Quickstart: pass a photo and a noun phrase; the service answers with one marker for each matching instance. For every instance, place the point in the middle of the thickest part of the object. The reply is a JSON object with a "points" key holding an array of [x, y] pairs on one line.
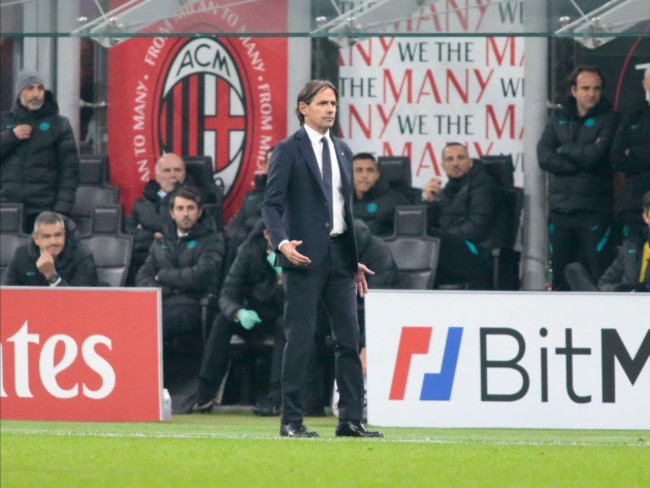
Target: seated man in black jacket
{"points": [[630, 271], [54, 257], [251, 302], [184, 262], [374, 201], [150, 213], [465, 215]]}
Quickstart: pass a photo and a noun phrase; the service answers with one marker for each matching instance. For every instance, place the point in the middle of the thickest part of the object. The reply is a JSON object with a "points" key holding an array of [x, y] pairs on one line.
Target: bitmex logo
{"points": [[435, 386], [438, 386]]}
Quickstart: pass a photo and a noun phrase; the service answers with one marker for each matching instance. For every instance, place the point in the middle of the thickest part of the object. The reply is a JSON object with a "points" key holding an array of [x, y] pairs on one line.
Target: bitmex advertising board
{"points": [[534, 360], [80, 354]]}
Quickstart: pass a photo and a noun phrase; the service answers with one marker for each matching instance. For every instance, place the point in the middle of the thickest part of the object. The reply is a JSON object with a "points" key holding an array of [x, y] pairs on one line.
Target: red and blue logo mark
{"points": [[435, 386]]}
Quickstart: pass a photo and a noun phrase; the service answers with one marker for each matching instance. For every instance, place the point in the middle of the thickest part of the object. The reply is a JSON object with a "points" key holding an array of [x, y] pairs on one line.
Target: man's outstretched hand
{"points": [[360, 279]]}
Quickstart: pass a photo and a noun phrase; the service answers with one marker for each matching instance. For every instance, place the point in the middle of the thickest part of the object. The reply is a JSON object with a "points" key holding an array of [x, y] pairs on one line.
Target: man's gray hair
{"points": [[49, 218]]}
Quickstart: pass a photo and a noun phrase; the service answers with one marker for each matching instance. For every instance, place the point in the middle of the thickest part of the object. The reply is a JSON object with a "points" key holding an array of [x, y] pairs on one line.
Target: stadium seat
{"points": [[415, 253], [11, 218], [201, 169], [396, 171], [93, 170], [87, 197], [110, 248]]}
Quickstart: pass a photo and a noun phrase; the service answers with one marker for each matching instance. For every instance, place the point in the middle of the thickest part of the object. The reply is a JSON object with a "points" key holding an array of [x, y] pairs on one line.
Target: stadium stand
{"points": [[11, 235]]}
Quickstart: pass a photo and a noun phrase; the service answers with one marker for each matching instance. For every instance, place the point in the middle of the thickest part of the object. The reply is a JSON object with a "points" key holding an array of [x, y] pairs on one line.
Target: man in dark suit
{"points": [[308, 213]]}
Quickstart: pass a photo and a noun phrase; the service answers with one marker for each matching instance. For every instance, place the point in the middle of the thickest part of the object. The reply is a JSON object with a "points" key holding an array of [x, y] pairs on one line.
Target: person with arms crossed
{"points": [[307, 211]]}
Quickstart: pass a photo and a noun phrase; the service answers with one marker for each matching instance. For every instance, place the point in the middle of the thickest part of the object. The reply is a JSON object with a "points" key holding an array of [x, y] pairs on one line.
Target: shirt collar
{"points": [[315, 136]]}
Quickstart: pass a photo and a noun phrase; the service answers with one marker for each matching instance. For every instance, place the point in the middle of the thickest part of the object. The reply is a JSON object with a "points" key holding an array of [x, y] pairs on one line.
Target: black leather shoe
{"points": [[354, 428], [296, 429]]}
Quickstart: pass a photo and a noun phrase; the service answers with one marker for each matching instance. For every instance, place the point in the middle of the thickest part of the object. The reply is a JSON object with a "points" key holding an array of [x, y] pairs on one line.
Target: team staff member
{"points": [[308, 212]]}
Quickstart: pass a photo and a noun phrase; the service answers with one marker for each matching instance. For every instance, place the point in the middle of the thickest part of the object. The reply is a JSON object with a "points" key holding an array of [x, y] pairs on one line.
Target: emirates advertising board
{"points": [[508, 360], [410, 95], [200, 95], [80, 355]]}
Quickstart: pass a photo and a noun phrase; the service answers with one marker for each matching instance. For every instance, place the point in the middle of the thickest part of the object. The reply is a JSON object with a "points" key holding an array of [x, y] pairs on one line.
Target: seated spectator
{"points": [[374, 201], [150, 213], [465, 216], [630, 271], [39, 164], [54, 256], [251, 303], [241, 225], [631, 156], [184, 262]]}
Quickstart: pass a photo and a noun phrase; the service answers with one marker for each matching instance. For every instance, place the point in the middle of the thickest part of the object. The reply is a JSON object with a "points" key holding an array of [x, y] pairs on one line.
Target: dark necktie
{"points": [[327, 177]]}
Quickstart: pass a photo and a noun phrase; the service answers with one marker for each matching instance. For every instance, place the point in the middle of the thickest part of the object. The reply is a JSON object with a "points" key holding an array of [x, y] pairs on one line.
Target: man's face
{"points": [[646, 85], [33, 96], [456, 161], [321, 112], [366, 174], [185, 213], [587, 91], [170, 170], [50, 238], [646, 218]]}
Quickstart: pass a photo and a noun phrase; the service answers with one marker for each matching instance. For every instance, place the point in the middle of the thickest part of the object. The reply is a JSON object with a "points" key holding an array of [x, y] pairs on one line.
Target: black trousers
{"points": [[583, 239], [333, 283], [215, 353], [461, 262], [180, 320]]}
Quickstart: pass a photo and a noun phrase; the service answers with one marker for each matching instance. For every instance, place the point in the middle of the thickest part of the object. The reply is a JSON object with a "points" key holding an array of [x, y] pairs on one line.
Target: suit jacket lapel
{"points": [[307, 151], [344, 167]]}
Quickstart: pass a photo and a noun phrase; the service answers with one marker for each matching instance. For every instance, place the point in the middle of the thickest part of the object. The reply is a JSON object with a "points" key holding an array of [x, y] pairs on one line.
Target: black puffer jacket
{"points": [[623, 273], [377, 208], [250, 212], [75, 265], [575, 150], [150, 214], [187, 267], [469, 207], [252, 282], [42, 171], [633, 134]]}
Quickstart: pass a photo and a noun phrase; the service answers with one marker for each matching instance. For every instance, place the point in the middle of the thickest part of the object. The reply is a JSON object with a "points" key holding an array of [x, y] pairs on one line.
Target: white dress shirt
{"points": [[338, 210]]}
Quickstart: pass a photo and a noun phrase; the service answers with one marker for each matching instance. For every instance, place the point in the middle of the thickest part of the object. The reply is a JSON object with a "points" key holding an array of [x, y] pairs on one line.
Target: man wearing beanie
{"points": [[39, 163]]}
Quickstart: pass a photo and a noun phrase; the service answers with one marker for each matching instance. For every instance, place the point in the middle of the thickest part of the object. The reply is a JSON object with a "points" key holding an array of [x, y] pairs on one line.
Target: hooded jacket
{"points": [[75, 265], [186, 267], [249, 213], [42, 171], [575, 151]]}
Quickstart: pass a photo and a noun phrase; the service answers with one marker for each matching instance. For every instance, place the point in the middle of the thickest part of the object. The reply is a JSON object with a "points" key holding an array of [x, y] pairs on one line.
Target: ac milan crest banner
{"points": [[199, 95]]}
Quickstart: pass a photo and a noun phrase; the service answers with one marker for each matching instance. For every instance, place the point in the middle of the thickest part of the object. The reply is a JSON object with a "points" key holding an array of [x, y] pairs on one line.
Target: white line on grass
{"points": [[213, 435]]}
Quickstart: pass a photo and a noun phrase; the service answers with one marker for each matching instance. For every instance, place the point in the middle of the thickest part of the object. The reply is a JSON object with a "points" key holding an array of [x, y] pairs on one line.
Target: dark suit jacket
{"points": [[295, 207]]}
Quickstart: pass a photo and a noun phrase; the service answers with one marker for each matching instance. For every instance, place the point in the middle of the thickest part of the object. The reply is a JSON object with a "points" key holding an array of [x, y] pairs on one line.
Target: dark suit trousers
{"points": [[333, 283]]}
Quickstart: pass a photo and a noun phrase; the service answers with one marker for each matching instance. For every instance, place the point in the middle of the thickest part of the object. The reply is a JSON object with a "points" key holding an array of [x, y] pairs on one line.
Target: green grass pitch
{"points": [[232, 450]]}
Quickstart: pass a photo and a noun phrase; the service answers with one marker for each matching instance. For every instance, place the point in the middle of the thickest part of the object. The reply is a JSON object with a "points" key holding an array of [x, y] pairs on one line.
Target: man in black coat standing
{"points": [[39, 163], [185, 262], [54, 256], [308, 213], [574, 149]]}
